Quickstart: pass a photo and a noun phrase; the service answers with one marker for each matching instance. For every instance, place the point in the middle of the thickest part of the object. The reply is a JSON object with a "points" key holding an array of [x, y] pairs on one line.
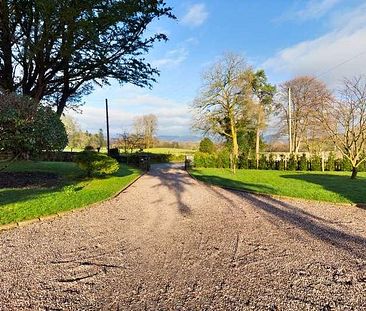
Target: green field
{"points": [[327, 186], [170, 151], [103, 150], [71, 192], [151, 150]]}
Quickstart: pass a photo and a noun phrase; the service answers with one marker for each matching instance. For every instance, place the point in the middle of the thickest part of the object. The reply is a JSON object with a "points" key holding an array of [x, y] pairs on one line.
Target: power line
{"points": [[340, 64]]}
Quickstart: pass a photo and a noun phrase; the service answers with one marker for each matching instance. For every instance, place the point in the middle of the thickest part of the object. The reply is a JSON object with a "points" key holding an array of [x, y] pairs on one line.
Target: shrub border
{"points": [[51, 217]]}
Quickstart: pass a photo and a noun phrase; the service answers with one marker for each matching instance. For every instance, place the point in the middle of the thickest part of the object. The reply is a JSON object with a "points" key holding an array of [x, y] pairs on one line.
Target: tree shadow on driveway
{"points": [[173, 177], [319, 228], [325, 230]]}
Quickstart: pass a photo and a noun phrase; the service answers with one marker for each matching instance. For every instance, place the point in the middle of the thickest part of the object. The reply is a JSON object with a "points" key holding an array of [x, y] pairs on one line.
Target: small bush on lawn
{"points": [[362, 166], [292, 163], [303, 163], [271, 162], [243, 162], [262, 165], [94, 163], [207, 146], [346, 164], [281, 163], [331, 162], [338, 165], [89, 148], [316, 163], [223, 158]]}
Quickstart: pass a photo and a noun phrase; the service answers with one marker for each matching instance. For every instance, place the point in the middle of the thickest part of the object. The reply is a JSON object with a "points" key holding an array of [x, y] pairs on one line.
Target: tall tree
{"points": [[56, 50], [146, 126], [222, 106], [263, 92], [307, 96], [345, 120], [101, 139], [73, 132]]}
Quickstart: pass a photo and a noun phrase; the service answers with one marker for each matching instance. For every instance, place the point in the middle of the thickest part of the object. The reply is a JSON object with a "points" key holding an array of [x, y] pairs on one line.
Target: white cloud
{"points": [[172, 58], [196, 15], [173, 117], [333, 56], [312, 10], [316, 9]]}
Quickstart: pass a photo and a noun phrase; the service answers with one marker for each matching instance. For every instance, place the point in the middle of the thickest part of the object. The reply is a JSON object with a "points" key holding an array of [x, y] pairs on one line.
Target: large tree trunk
{"points": [[260, 119], [257, 140], [6, 75], [235, 149], [354, 172], [61, 106]]}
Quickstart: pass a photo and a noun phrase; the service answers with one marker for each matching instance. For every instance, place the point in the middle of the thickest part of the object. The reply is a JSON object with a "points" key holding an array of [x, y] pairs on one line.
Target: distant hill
{"points": [[184, 138]]}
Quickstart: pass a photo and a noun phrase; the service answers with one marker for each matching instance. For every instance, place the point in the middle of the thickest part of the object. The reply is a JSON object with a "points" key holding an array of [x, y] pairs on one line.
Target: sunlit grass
{"points": [[327, 186], [73, 191], [170, 150]]}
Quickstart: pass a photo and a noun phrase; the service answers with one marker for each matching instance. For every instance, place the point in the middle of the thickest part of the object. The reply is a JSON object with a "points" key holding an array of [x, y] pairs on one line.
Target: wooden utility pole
{"points": [[107, 117], [289, 121]]}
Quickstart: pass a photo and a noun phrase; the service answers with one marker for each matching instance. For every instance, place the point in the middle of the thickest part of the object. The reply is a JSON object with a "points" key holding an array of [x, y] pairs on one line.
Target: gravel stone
{"points": [[169, 242]]}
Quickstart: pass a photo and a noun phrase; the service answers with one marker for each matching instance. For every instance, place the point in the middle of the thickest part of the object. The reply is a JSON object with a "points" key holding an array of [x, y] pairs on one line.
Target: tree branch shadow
{"points": [[173, 177], [276, 210], [317, 227]]}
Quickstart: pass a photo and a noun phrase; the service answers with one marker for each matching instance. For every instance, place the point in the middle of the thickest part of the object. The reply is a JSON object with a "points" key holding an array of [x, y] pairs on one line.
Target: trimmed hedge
{"points": [[94, 163], [132, 158], [217, 159], [299, 163]]}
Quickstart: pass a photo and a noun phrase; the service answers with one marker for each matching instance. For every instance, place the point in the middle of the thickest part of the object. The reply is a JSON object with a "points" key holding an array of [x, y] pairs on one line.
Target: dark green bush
{"points": [[346, 164], [330, 166], [362, 166], [94, 163], [338, 165], [243, 162], [113, 152], [202, 159], [316, 163], [27, 127], [89, 148], [219, 159], [223, 159], [282, 163], [252, 164], [292, 163], [271, 162], [207, 146], [263, 163], [303, 163]]}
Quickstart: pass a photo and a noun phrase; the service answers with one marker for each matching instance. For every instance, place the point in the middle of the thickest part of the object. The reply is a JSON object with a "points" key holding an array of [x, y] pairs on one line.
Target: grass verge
{"points": [[322, 186], [71, 192]]}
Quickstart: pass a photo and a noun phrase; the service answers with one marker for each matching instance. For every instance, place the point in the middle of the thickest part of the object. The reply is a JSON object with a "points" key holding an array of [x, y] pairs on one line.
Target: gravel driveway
{"points": [[171, 243]]}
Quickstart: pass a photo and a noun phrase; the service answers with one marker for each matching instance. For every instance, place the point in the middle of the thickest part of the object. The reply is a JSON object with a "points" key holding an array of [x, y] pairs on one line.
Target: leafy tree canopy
{"points": [[56, 50]]}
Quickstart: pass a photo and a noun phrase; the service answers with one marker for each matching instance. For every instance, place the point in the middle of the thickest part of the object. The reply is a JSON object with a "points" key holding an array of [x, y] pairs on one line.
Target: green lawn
{"points": [[170, 150], [68, 149], [327, 186], [72, 192]]}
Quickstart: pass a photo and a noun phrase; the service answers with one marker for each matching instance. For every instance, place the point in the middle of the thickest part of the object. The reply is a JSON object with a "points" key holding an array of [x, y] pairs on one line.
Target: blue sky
{"points": [[286, 38]]}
